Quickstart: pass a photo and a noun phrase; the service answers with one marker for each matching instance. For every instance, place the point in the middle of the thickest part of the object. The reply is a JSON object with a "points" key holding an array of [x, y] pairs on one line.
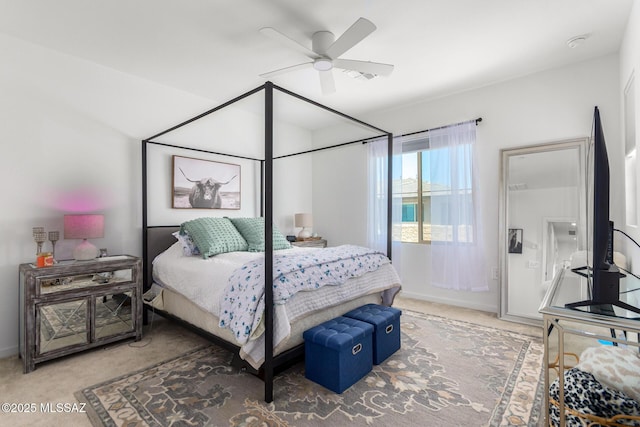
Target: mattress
{"points": [[192, 288], [181, 307]]}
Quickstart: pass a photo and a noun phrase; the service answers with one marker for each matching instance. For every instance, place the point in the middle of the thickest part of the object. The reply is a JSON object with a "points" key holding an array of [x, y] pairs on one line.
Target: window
{"points": [[437, 193], [434, 180]]}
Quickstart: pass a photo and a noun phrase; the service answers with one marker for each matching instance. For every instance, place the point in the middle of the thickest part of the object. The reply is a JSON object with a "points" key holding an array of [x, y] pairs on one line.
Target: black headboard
{"points": [[159, 239]]}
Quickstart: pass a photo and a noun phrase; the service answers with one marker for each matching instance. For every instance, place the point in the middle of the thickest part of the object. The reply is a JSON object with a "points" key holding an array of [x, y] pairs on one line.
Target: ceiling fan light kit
{"points": [[322, 64], [325, 52]]}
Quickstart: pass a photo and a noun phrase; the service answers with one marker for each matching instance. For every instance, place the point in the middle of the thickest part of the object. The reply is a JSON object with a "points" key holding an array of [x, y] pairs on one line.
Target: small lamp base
{"points": [[304, 234], [85, 251]]}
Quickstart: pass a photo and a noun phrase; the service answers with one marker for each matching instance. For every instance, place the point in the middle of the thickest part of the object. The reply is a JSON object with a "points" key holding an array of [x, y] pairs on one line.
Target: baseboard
{"points": [[449, 301], [9, 352]]}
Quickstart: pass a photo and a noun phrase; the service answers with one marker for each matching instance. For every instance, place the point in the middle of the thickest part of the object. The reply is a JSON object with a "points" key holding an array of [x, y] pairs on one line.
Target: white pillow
{"points": [[614, 367], [188, 247]]}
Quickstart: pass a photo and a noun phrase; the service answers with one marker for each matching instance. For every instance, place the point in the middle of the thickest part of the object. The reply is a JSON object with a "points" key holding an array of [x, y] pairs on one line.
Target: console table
{"points": [[590, 323], [76, 305]]}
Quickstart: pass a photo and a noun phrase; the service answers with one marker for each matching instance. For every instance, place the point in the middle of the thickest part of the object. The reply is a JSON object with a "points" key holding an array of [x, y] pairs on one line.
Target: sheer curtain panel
{"points": [[457, 244], [377, 200]]}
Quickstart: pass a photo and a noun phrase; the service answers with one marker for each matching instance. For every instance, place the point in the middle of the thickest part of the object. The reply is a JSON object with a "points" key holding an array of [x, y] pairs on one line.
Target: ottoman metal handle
{"points": [[389, 329], [356, 349]]}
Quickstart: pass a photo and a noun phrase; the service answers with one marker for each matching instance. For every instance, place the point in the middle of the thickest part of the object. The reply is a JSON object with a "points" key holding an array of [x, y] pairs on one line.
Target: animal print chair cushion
{"points": [[214, 236], [252, 229], [615, 367], [583, 393]]}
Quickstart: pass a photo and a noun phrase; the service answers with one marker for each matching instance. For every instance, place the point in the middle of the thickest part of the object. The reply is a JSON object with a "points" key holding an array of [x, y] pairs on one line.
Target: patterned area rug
{"points": [[447, 373]]}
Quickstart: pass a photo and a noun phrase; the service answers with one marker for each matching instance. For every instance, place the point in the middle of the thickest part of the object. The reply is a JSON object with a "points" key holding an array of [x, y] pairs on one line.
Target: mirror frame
{"points": [[505, 154]]}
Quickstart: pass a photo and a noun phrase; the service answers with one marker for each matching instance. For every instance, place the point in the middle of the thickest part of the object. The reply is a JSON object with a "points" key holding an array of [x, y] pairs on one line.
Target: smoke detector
{"points": [[577, 41]]}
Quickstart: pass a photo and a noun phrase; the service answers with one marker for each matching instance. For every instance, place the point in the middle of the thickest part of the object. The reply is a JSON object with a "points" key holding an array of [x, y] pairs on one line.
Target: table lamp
{"points": [[84, 227], [304, 220]]}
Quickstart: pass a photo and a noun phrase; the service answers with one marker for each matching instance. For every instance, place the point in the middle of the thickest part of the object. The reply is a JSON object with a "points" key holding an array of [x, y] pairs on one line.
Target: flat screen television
{"points": [[603, 273]]}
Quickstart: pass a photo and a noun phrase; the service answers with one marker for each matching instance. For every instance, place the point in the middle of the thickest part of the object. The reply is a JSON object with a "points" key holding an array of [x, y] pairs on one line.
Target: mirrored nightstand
{"points": [[76, 305]]}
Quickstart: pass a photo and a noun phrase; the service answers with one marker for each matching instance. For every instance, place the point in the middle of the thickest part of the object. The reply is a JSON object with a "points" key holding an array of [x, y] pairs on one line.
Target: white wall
{"points": [[340, 195], [70, 140], [630, 68], [548, 106]]}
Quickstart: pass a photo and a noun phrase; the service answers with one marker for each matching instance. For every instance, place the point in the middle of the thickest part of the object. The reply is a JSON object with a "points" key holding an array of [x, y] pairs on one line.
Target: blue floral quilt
{"points": [[242, 303]]}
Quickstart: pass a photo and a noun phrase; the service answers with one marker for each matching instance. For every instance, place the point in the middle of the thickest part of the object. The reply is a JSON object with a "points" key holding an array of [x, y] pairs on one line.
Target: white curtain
{"points": [[457, 244], [377, 198]]}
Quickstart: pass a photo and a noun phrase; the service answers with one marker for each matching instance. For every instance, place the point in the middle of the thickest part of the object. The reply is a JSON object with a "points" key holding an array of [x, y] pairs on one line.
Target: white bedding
{"points": [[200, 280], [203, 281]]}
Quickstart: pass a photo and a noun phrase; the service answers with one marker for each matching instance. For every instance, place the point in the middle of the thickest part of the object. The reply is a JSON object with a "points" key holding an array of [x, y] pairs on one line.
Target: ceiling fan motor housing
{"points": [[321, 41]]}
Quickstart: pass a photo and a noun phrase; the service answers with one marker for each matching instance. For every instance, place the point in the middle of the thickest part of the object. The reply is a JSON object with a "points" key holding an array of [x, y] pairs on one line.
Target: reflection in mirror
{"points": [[62, 324], [542, 198], [631, 168], [113, 315], [560, 242]]}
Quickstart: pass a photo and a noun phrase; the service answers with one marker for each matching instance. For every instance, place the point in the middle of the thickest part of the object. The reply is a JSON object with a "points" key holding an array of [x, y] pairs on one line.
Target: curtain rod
{"points": [[478, 120]]}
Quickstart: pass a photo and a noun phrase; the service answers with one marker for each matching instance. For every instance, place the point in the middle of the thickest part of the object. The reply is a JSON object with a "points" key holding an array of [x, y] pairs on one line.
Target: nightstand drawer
{"points": [[72, 282]]}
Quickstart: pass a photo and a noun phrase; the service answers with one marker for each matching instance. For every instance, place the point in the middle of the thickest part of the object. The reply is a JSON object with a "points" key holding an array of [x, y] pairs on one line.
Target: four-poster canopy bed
{"points": [[159, 239]]}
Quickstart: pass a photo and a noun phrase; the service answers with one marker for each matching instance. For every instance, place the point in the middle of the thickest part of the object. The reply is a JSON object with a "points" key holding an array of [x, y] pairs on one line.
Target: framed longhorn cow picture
{"points": [[205, 184]]}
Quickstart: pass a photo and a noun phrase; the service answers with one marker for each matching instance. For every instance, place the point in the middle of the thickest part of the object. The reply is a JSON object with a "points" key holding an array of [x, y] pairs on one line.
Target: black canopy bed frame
{"points": [[157, 238]]}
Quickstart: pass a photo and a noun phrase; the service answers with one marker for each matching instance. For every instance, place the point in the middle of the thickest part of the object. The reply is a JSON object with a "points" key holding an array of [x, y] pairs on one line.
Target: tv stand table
{"points": [[569, 330]]}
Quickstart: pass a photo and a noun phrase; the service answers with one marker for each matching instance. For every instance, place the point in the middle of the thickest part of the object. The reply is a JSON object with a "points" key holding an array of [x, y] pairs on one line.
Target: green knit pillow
{"points": [[252, 229], [214, 236]]}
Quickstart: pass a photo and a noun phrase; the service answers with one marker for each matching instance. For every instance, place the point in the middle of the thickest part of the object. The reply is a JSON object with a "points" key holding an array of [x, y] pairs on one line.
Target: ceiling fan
{"points": [[325, 52]]}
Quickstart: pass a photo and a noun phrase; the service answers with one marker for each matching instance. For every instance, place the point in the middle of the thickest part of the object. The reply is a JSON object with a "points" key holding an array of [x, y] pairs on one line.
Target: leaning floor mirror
{"points": [[542, 211]]}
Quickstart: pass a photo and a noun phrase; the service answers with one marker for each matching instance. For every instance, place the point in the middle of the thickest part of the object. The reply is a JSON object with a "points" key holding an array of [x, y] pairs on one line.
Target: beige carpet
{"points": [[449, 372], [56, 381]]}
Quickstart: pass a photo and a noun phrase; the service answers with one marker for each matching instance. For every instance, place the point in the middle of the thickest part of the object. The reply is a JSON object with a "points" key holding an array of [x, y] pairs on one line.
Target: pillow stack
{"points": [[252, 229], [212, 236]]}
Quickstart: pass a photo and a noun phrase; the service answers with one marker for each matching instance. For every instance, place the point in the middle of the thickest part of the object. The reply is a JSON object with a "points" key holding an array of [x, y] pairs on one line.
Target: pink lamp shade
{"points": [[84, 227]]}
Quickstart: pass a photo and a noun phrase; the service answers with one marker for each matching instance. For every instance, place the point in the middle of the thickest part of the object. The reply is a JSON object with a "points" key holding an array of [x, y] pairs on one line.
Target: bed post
{"points": [[389, 194], [268, 243], [145, 276], [262, 188]]}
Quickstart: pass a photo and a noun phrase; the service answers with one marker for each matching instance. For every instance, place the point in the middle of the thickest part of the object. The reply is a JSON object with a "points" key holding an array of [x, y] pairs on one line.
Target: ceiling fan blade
{"points": [[327, 83], [354, 35], [288, 41], [287, 69], [364, 66]]}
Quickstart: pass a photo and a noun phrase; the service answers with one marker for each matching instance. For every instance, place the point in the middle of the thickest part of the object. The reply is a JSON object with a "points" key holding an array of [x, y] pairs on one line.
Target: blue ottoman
{"points": [[386, 321], [338, 352]]}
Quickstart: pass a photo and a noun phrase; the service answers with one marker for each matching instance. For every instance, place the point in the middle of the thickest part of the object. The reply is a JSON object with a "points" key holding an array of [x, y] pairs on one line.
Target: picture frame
{"points": [[514, 241], [205, 184]]}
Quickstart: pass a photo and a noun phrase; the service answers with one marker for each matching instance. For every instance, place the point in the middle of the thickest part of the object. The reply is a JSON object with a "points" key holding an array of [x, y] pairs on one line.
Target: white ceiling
{"points": [[212, 48]]}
